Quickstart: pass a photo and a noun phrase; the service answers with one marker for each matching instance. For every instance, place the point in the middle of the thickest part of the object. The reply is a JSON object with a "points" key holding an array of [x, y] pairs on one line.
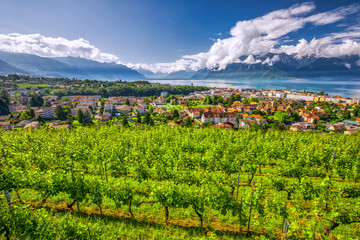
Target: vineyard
{"points": [[164, 183]]}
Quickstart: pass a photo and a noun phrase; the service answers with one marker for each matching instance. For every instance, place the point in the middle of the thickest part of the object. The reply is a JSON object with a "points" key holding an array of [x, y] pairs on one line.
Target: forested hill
{"points": [[65, 87]]}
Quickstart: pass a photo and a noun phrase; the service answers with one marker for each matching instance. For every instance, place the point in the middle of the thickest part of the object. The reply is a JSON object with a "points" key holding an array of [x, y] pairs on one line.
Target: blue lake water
{"points": [[344, 86]]}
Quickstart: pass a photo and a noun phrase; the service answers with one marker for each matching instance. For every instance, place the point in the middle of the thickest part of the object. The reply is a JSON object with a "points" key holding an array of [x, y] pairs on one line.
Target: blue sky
{"points": [[153, 31]]}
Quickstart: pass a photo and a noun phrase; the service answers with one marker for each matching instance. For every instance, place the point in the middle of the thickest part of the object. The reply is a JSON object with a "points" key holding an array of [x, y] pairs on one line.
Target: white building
{"points": [[45, 112]]}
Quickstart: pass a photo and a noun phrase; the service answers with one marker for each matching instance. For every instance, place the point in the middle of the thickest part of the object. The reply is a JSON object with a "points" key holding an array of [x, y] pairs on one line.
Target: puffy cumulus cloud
{"points": [[323, 47], [268, 34], [53, 47], [271, 61], [251, 60]]}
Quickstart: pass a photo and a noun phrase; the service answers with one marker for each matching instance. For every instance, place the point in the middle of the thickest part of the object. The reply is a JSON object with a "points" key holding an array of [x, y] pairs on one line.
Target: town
{"points": [[35, 102]]}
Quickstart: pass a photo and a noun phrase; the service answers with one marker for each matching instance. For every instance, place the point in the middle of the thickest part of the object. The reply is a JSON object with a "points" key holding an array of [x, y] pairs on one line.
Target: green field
{"points": [[28, 85], [203, 105], [170, 106], [111, 182]]}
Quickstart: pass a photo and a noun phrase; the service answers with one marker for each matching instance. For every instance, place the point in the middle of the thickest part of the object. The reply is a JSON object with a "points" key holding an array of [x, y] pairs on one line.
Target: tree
{"points": [[289, 111], [40, 119], [151, 108], [32, 102], [24, 116], [69, 119], [138, 117], [245, 100], [39, 101], [170, 97], [237, 97], [253, 99], [36, 101], [208, 100], [124, 122], [127, 102], [60, 113], [295, 117], [315, 121], [147, 119], [102, 106], [188, 122], [67, 109], [347, 115], [46, 103], [176, 113], [31, 113], [4, 103], [281, 117], [87, 118], [80, 116], [217, 99]]}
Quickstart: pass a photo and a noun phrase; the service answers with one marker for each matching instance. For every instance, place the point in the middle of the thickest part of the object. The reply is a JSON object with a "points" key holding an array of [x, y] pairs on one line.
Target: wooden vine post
{"points": [[238, 181], [251, 204], [286, 229]]}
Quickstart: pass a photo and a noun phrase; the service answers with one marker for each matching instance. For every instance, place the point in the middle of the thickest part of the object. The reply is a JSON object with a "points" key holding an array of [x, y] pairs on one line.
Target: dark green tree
{"points": [[347, 114], [188, 122], [87, 118], [36, 101], [124, 122], [295, 117], [208, 100], [148, 119], [32, 102], [176, 113], [102, 106], [46, 103], [60, 113], [4, 103], [138, 117], [127, 101], [217, 99], [80, 116], [24, 116], [31, 113], [40, 119], [69, 119], [39, 101]]}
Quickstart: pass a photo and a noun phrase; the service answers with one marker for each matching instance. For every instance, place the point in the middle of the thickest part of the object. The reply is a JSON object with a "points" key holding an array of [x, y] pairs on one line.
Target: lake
{"points": [[344, 86]]}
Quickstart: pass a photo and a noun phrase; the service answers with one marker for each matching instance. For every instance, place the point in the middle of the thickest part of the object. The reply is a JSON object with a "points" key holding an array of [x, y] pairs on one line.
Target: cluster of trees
{"points": [[62, 113], [4, 103], [170, 97], [104, 88], [148, 120], [216, 99], [84, 118], [129, 90], [36, 101]]}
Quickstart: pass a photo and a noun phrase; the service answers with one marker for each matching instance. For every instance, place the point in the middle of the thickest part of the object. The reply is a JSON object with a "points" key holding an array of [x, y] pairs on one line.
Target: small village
{"points": [[215, 107]]}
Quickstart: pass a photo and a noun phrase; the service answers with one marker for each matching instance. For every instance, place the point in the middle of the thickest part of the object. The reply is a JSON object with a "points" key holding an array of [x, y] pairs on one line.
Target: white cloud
{"points": [[53, 47], [251, 60], [271, 61], [258, 36], [264, 35]]}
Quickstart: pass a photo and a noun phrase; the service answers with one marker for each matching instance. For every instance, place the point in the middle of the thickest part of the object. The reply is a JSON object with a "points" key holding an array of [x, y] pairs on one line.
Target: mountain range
{"points": [[269, 66], [272, 66], [70, 67]]}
